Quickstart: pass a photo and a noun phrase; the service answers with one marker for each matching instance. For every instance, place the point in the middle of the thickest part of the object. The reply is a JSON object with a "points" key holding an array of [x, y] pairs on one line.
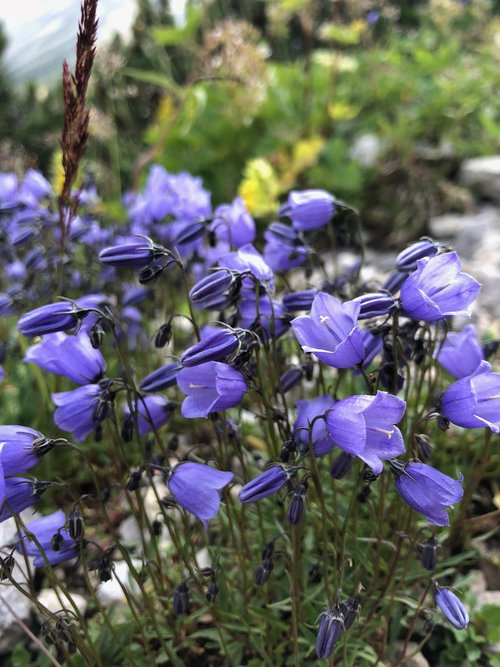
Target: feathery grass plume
{"points": [[76, 116]]}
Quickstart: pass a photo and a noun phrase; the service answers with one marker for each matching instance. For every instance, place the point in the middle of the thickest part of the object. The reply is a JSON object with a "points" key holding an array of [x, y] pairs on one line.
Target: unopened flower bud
{"points": [[76, 525], [163, 335], [428, 553], [331, 624], [297, 505], [181, 600], [263, 572]]}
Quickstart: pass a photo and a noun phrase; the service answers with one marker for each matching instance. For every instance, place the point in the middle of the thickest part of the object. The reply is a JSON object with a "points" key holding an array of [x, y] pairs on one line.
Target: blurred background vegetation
{"points": [[377, 102]]}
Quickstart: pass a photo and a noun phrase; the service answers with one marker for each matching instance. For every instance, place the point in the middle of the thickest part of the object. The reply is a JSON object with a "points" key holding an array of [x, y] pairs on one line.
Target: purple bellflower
{"points": [[284, 247], [217, 290], [60, 316], [20, 493], [70, 356], [249, 261], [331, 624], [197, 488], [210, 387], [267, 317], [161, 378], [77, 410], [153, 413], [364, 426], [461, 353], [233, 223], [265, 484], [296, 301], [438, 289], [216, 345], [135, 254], [407, 259], [474, 401], [427, 490], [56, 543], [306, 412], [330, 332], [21, 448], [309, 209], [452, 607], [375, 304]]}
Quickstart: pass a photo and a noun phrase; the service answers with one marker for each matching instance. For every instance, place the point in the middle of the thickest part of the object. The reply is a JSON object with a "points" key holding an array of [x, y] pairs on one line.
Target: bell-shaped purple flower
{"points": [[76, 409], [216, 345], [452, 607], [474, 401], [427, 490], [309, 209], [375, 304], [330, 332], [21, 448], [407, 259], [296, 301], [266, 316], [153, 413], [60, 316], [284, 247], [233, 223], [210, 387], [197, 488], [217, 290], [307, 411], [265, 484], [438, 289], [374, 344], [20, 493], [161, 378], [394, 281], [247, 260], [364, 426], [135, 254], [57, 546], [461, 353], [70, 356]]}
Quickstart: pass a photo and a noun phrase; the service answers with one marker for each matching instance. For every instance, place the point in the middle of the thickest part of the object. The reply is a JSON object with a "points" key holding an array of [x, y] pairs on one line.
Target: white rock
{"points": [[54, 602], [203, 559], [366, 149], [482, 174], [111, 591]]}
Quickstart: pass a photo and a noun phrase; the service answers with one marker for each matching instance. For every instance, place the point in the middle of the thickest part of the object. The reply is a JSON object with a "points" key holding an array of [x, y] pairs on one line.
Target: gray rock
{"points": [[487, 598], [482, 175], [466, 232], [417, 660], [477, 583]]}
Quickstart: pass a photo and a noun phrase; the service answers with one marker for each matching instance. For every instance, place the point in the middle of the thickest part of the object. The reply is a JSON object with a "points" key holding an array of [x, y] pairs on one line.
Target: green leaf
{"points": [[171, 36], [154, 78]]}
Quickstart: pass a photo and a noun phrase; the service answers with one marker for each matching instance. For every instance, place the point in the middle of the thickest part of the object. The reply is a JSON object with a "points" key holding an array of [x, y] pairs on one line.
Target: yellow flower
{"points": [[259, 187]]}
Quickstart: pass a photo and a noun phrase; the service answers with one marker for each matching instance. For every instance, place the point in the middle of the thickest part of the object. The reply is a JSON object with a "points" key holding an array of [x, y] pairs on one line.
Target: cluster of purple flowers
{"points": [[340, 324]]}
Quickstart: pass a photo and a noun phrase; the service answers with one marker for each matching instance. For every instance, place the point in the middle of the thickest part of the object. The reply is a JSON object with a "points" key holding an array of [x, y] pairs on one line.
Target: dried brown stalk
{"points": [[76, 115]]}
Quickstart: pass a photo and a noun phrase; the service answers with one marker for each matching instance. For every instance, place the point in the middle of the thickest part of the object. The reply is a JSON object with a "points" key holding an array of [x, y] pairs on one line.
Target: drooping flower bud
{"points": [[453, 609], [331, 624], [265, 484], [407, 259], [428, 553], [297, 505]]}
